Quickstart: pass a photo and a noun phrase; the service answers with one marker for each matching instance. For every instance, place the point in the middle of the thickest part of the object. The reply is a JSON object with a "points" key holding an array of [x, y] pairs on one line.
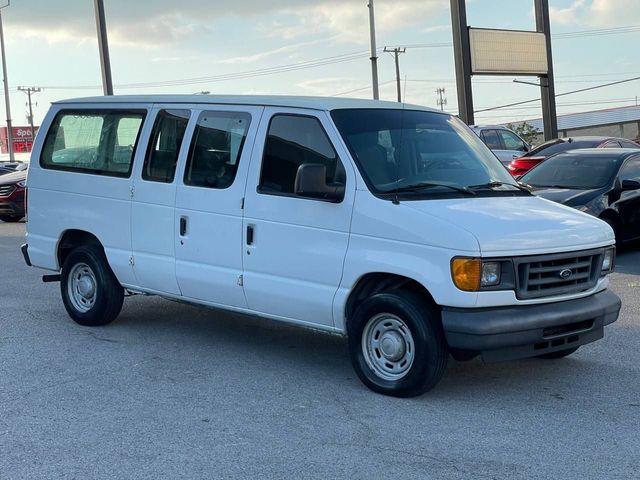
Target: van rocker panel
{"points": [[528, 330]]}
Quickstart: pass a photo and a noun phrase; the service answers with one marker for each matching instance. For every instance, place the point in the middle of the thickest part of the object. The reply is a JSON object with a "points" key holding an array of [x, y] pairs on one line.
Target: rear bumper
{"points": [[25, 253], [528, 330]]}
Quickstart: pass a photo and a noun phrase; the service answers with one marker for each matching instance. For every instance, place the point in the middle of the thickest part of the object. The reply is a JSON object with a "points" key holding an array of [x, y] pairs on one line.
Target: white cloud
{"points": [[598, 13]]}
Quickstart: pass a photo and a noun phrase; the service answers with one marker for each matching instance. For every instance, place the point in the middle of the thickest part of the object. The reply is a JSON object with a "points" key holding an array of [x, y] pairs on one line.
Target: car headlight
{"points": [[608, 260], [22, 184], [472, 274], [490, 274]]}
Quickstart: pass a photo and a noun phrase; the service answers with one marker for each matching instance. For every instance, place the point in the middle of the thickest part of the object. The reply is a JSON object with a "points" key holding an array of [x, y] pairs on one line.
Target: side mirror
{"points": [[628, 185], [526, 147], [311, 182]]}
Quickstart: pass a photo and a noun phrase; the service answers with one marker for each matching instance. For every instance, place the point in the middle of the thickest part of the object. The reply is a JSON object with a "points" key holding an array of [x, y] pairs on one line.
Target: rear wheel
{"points": [[559, 354], [90, 291], [11, 218], [397, 345]]}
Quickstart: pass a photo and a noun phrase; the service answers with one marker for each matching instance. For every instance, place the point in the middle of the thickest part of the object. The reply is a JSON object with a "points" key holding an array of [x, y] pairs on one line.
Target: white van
{"points": [[391, 224]]}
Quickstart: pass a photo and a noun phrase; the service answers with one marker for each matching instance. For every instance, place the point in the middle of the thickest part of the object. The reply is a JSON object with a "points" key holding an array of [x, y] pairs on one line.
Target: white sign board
{"points": [[507, 52]]}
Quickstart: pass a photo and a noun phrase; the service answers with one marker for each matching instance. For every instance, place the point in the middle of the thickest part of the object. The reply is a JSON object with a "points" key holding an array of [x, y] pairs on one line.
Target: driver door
{"points": [[293, 247]]}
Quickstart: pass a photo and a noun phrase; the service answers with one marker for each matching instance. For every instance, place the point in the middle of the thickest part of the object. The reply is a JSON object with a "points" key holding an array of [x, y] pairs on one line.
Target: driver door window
{"points": [[512, 142], [294, 140]]}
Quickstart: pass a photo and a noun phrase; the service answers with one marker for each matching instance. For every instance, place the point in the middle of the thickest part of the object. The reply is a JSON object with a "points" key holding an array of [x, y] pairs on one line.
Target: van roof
{"points": [[315, 103]]}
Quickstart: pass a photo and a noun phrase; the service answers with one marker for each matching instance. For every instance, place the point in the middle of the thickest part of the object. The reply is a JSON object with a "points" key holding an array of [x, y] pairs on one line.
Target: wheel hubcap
{"points": [[82, 286], [388, 346]]}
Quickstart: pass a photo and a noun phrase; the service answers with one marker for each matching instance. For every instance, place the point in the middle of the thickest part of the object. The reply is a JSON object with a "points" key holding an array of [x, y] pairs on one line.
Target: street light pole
{"points": [[103, 46], [6, 89], [374, 50]]}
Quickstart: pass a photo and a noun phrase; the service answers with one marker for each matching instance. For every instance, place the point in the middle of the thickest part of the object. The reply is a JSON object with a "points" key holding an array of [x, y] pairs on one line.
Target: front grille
{"points": [[6, 190], [558, 274]]}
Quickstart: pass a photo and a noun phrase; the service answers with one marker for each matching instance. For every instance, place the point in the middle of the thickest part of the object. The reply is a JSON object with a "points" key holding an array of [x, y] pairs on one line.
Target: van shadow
{"points": [[304, 360]]}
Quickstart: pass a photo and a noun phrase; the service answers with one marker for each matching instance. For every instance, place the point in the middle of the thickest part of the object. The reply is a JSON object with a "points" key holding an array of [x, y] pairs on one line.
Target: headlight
{"points": [[490, 274], [609, 260], [472, 274], [22, 184]]}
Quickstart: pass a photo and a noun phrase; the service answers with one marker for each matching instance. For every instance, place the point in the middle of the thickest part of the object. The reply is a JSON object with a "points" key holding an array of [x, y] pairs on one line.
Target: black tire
{"points": [[108, 293], [430, 354], [559, 354], [614, 226], [11, 218]]}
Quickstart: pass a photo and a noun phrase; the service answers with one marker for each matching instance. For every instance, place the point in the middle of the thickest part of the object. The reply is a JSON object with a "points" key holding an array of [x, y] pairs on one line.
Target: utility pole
{"points": [[7, 102], [396, 53], [462, 56], [103, 46], [442, 100], [374, 52], [547, 84], [30, 91]]}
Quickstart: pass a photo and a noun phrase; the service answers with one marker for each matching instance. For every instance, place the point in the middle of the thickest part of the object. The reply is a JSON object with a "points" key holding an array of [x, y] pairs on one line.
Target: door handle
{"points": [[249, 234], [183, 226]]}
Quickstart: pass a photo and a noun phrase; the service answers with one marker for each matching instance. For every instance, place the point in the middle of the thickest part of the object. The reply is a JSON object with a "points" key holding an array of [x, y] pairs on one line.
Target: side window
{"points": [[216, 149], [164, 145], [294, 140], [628, 144], [491, 139], [631, 170], [100, 142], [612, 144], [511, 141]]}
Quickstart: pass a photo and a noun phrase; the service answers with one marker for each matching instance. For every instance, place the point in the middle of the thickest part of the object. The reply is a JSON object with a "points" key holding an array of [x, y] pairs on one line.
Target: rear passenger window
{"points": [[491, 139], [100, 142], [294, 140], [216, 149], [164, 146]]}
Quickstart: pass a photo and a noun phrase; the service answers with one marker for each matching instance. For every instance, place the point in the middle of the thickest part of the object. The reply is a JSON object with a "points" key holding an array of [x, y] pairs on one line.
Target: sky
{"points": [[317, 47]]}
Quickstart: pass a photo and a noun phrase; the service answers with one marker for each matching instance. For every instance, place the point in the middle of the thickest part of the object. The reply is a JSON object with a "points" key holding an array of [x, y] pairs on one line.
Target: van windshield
{"points": [[417, 154]]}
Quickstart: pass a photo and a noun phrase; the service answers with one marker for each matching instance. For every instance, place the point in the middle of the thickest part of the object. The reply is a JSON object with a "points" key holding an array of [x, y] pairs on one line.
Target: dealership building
{"points": [[622, 122]]}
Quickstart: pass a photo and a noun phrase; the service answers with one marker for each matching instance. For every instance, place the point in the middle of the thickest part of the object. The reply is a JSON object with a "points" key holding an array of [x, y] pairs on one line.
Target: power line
{"points": [[559, 95]]}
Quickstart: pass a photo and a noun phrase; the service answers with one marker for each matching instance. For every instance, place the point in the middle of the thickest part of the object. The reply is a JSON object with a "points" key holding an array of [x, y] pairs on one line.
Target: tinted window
{"points": [[492, 139], [216, 149], [631, 170], [164, 145], [573, 171], [293, 141], [406, 148], [556, 146], [612, 144], [512, 141], [99, 142]]}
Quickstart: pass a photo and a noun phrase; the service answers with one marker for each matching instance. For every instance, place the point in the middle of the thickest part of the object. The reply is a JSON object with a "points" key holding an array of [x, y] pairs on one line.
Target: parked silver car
{"points": [[505, 144]]}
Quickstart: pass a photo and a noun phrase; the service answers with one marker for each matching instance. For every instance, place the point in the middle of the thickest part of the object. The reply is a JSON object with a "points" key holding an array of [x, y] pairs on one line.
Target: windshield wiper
{"points": [[490, 185], [416, 187]]}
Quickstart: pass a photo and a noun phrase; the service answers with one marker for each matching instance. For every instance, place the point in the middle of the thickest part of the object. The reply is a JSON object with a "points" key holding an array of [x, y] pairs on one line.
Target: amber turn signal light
{"points": [[466, 273]]}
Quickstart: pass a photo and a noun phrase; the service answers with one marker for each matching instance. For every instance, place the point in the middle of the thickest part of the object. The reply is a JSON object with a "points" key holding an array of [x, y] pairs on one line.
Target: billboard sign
{"points": [[507, 52]]}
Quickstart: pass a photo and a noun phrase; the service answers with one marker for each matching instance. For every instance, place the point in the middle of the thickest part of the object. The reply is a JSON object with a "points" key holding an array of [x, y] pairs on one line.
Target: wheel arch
{"points": [[74, 238], [375, 282]]}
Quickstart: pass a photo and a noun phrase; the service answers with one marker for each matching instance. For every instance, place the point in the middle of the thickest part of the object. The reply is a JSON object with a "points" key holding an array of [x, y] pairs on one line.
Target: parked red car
{"points": [[13, 196], [526, 162]]}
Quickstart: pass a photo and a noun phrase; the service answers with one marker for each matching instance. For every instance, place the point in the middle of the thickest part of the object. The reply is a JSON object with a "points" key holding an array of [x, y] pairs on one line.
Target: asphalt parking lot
{"points": [[174, 391]]}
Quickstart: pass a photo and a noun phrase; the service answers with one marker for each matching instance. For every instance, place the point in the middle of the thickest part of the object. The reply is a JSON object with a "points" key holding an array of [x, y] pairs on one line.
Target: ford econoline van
{"points": [[391, 224]]}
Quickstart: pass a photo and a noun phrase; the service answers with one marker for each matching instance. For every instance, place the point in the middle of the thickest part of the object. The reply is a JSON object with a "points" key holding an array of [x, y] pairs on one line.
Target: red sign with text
{"points": [[22, 141]]}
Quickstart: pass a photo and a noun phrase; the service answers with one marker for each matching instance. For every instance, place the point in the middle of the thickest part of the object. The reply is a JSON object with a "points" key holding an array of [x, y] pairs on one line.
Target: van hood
{"points": [[527, 225]]}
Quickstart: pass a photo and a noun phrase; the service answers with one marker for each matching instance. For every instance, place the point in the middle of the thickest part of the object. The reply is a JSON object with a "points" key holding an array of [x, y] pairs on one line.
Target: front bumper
{"points": [[522, 331], [14, 204]]}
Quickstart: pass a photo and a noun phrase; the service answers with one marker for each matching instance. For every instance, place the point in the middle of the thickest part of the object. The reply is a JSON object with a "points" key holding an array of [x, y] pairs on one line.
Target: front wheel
{"points": [[397, 345], [90, 291]]}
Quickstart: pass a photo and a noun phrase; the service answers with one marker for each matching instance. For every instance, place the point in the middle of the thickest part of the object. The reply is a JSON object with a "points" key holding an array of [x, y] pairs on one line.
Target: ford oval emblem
{"points": [[566, 273]]}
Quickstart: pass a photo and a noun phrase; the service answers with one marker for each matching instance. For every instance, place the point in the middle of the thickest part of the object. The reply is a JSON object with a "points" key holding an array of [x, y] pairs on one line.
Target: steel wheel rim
{"points": [[388, 346], [82, 287]]}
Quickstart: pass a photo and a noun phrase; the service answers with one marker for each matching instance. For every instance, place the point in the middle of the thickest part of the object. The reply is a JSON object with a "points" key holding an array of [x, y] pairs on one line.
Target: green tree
{"points": [[528, 133]]}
